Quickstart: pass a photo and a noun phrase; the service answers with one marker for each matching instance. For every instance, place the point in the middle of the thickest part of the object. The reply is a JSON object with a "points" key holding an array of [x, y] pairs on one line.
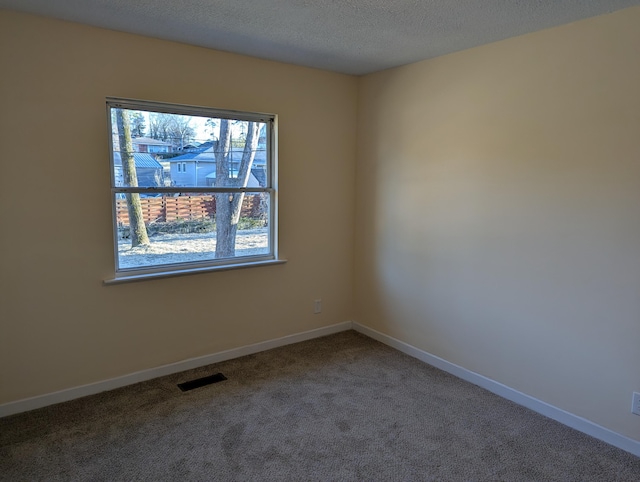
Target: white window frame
{"points": [[139, 273]]}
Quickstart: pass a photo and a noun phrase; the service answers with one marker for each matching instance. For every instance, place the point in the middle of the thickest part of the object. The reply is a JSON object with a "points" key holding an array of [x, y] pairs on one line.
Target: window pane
{"points": [[192, 227], [153, 149], [187, 151]]}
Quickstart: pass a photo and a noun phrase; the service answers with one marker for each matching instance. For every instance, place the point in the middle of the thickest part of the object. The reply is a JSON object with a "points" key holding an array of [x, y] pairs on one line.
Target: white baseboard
{"points": [[92, 388], [574, 421], [562, 416]]}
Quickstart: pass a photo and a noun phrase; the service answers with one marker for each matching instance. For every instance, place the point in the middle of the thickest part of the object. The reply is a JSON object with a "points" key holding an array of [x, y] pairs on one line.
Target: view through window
{"points": [[191, 186]]}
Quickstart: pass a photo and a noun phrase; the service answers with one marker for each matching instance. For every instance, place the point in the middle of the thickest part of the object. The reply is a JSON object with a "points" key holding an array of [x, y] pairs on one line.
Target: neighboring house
{"points": [[148, 170], [198, 168], [153, 146], [189, 147]]}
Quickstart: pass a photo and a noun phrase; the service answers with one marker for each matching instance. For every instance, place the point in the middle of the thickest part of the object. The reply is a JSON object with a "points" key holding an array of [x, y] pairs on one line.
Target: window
{"points": [[221, 213]]}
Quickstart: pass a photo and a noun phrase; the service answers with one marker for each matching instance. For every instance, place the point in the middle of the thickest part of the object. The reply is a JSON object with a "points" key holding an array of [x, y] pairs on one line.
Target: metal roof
{"points": [[142, 160], [207, 155]]}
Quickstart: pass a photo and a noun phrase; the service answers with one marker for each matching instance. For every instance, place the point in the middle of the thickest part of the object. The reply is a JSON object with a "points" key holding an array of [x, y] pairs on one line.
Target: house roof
{"points": [[142, 160], [190, 146], [149, 141], [206, 154], [260, 174], [195, 154]]}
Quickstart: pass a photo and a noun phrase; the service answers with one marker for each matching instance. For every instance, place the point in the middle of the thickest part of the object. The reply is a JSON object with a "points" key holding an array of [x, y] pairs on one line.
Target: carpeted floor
{"points": [[339, 408]]}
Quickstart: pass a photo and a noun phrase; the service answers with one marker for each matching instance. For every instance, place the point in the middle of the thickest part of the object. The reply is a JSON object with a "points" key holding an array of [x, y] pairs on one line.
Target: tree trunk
{"points": [[248, 155], [137, 227], [229, 205], [225, 230], [225, 235]]}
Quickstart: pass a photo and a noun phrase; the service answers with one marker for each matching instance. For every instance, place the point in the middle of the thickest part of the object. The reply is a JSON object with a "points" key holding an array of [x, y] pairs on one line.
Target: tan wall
{"points": [[60, 327], [498, 212]]}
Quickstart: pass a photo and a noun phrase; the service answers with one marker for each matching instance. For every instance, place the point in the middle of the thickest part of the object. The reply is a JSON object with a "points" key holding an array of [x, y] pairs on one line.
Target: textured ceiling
{"points": [[349, 36]]}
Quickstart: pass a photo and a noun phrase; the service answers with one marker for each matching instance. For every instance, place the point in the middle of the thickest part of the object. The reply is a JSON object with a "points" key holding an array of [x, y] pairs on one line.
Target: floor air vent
{"points": [[201, 382]]}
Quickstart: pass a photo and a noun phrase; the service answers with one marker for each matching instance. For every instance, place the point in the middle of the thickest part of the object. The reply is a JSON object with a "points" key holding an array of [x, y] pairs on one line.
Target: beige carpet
{"points": [[340, 408]]}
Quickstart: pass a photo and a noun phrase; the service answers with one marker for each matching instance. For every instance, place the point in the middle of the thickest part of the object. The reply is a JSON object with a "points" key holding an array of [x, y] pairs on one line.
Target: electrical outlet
{"points": [[635, 405], [317, 306]]}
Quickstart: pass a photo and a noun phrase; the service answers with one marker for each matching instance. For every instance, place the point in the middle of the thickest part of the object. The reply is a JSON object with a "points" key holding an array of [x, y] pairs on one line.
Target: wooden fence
{"points": [[168, 208]]}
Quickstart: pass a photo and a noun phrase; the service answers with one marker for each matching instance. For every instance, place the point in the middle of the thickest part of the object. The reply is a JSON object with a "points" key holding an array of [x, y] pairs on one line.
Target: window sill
{"points": [[188, 271]]}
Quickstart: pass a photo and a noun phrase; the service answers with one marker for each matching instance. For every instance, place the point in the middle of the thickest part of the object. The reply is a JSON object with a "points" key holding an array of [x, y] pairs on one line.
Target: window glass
{"points": [[191, 186]]}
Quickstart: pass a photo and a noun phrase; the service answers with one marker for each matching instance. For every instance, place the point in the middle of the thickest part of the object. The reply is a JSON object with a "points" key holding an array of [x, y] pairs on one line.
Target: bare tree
{"points": [[172, 128], [181, 131], [229, 205], [160, 126], [137, 124], [137, 227], [211, 127]]}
